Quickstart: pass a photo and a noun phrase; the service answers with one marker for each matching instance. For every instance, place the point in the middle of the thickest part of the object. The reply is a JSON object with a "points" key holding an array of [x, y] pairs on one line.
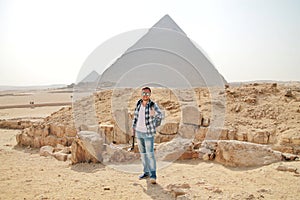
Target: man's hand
{"points": [[152, 112]]}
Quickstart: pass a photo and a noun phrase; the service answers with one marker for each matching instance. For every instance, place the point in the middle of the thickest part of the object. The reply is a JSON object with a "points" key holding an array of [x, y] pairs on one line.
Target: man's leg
{"points": [[142, 149], [149, 145]]}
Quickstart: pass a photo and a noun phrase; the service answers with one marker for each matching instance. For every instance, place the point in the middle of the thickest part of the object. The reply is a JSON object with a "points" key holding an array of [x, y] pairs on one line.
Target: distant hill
{"points": [[33, 87]]}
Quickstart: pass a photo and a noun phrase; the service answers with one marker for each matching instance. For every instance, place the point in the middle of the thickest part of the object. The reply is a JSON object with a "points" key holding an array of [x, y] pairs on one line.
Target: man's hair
{"points": [[146, 88]]}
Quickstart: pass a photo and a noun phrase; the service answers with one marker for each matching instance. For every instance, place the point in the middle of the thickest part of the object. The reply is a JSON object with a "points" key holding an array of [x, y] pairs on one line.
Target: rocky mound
{"points": [[264, 113]]}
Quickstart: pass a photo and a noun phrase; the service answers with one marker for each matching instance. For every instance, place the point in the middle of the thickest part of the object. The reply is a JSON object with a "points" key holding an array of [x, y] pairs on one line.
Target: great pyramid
{"points": [[163, 57]]}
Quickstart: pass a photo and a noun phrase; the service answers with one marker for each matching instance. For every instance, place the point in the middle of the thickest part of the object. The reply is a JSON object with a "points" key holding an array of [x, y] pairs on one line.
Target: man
{"points": [[146, 117]]}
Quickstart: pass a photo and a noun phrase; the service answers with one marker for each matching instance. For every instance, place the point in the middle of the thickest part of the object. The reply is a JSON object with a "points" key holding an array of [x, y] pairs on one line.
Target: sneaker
{"points": [[153, 180], [143, 176]]}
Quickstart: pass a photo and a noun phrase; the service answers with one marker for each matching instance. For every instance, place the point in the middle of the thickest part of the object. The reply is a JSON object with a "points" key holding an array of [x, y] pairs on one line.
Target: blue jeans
{"points": [[146, 148]]}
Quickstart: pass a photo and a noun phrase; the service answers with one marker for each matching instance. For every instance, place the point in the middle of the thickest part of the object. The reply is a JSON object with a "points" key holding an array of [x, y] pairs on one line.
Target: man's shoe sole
{"points": [[153, 181], [144, 177]]}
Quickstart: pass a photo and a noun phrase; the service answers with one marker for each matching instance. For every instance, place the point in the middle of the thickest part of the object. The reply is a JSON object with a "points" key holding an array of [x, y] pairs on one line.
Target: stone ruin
{"points": [[259, 118]]}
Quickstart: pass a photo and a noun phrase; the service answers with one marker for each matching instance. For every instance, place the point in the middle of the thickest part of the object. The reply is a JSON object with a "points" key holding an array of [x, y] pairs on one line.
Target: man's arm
{"points": [[158, 113]]}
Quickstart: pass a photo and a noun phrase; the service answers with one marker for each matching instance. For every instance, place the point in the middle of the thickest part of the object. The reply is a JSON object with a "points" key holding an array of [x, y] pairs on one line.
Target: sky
{"points": [[47, 41]]}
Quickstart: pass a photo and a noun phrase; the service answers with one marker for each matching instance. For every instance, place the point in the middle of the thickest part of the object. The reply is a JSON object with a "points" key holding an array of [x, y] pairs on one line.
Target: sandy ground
{"points": [[24, 174]]}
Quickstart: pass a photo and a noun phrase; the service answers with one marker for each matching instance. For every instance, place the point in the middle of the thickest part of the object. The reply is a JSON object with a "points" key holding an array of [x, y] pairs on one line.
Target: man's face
{"points": [[146, 94]]}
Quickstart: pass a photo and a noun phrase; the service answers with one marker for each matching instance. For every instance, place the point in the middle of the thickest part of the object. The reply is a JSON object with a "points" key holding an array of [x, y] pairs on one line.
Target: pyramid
{"points": [[163, 57], [91, 77]]}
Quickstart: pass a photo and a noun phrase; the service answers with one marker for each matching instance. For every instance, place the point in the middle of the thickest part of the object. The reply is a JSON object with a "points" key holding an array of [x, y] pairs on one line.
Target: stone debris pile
{"points": [[254, 121]]}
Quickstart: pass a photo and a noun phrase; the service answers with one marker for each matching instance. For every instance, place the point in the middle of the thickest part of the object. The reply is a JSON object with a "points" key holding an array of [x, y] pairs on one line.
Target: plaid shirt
{"points": [[150, 121]]}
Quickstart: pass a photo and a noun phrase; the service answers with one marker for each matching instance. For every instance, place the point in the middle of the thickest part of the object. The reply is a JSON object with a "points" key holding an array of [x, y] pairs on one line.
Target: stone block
{"points": [[91, 145], [285, 140], [169, 128], [50, 140], [189, 155], [46, 151], [191, 115], [93, 128], [37, 142], [241, 136], [70, 131], [57, 130], [60, 156], [244, 154], [119, 136], [38, 132], [295, 140], [217, 134], [261, 137], [166, 138], [187, 131], [200, 133], [63, 141], [231, 134], [285, 149], [107, 132], [121, 120], [24, 140]]}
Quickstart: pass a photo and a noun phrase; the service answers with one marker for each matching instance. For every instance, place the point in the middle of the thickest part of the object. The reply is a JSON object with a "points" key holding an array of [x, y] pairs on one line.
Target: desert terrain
{"points": [[27, 175]]}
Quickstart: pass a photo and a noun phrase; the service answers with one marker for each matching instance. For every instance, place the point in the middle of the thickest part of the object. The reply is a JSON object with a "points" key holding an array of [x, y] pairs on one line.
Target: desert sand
{"points": [[24, 174]]}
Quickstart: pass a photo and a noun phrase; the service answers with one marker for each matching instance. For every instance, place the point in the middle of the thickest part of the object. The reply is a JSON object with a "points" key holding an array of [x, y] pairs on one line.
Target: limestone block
{"points": [[63, 141], [285, 140], [45, 132], [92, 143], [189, 155], [191, 115], [217, 134], [50, 140], [79, 154], [24, 140], [169, 128], [70, 140], [107, 132], [39, 132], [187, 131], [29, 131], [57, 130], [241, 136], [121, 120], [119, 136], [295, 140], [287, 168], [26, 124], [296, 150], [46, 151], [244, 154], [261, 137], [201, 133], [281, 148], [231, 134], [60, 156], [172, 150], [272, 137], [70, 131], [37, 142], [166, 138], [93, 128]]}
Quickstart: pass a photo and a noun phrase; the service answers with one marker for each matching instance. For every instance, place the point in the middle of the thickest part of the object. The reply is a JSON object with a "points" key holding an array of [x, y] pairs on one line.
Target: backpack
{"points": [[157, 120]]}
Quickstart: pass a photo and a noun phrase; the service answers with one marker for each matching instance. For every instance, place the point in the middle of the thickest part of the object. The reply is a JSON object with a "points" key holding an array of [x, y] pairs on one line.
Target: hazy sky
{"points": [[46, 42]]}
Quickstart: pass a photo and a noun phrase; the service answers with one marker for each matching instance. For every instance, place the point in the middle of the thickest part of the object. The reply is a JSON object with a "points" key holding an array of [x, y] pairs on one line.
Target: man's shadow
{"points": [[156, 191]]}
